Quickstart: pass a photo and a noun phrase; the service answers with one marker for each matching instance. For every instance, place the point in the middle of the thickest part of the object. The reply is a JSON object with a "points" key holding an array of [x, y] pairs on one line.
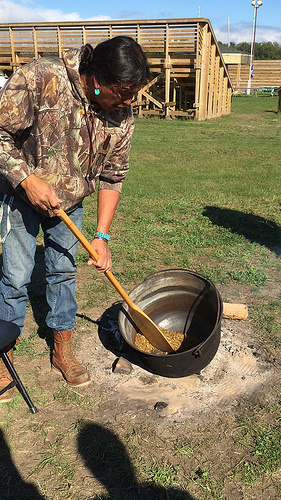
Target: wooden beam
{"points": [[204, 75], [35, 42], [59, 41], [212, 81], [167, 72], [151, 98], [14, 62], [216, 89]]}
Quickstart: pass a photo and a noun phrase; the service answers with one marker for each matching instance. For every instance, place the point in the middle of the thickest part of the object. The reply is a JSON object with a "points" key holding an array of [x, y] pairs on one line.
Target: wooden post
{"points": [[216, 93], [174, 94], [224, 94], [167, 74], [238, 76], [59, 41], [35, 42], [138, 34], [180, 98], [229, 90], [204, 75], [198, 65], [84, 35], [220, 93], [14, 61], [139, 100], [212, 81]]}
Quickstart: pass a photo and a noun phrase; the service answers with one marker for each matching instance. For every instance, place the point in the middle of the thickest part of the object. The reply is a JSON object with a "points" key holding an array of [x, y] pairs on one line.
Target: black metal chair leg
{"points": [[18, 382]]}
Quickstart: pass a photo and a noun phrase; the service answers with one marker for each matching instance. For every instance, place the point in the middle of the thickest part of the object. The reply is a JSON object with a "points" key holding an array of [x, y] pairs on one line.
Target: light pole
{"points": [[256, 4]]}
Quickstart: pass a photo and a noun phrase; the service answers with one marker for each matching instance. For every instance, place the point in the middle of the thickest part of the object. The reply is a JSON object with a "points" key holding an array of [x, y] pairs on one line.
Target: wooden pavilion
{"points": [[189, 76]]}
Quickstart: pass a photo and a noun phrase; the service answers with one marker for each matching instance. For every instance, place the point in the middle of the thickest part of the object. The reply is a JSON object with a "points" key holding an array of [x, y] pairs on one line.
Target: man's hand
{"points": [[103, 264], [41, 194]]}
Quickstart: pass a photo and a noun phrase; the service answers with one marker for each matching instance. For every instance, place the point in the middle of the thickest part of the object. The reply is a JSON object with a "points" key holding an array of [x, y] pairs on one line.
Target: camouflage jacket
{"points": [[48, 128]]}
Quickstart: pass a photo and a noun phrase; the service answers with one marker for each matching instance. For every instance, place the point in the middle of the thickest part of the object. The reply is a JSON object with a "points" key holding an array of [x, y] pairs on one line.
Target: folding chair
{"points": [[9, 333]]}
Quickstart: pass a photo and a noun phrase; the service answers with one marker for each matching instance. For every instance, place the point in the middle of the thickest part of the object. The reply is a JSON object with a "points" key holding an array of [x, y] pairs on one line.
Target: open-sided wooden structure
{"points": [[189, 76], [265, 73]]}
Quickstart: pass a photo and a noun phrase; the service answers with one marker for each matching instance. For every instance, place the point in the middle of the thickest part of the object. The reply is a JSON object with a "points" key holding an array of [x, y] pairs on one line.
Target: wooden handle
{"points": [[74, 229]]}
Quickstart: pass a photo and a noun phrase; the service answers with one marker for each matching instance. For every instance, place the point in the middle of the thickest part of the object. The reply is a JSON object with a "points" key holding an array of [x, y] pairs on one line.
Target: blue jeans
{"points": [[18, 251]]}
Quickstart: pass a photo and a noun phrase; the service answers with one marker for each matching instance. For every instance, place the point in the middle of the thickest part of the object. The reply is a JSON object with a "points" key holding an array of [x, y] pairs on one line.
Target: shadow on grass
{"points": [[255, 228], [107, 459], [12, 486]]}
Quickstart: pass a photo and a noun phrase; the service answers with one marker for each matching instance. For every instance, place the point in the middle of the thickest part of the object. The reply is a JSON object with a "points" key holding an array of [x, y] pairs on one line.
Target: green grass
{"points": [[263, 444], [162, 475], [203, 196]]}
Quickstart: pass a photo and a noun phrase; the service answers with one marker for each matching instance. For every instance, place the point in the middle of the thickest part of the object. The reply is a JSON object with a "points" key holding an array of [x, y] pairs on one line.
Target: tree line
{"points": [[263, 50]]}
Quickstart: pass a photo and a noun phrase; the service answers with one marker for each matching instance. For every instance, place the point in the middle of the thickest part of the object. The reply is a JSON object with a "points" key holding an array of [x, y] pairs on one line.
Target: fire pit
{"points": [[183, 301]]}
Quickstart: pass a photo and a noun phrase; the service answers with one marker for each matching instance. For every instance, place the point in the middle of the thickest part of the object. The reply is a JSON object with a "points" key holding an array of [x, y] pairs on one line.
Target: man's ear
{"points": [[96, 83]]}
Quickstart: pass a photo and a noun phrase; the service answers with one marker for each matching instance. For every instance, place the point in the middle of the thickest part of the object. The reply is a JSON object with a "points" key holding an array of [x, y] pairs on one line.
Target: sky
{"points": [[238, 12]]}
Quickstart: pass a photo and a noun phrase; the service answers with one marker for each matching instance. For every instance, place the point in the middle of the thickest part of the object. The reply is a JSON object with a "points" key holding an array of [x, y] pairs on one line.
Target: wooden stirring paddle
{"points": [[146, 326]]}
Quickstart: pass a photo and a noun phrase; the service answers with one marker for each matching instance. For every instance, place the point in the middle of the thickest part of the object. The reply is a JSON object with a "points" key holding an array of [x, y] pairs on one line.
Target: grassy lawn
{"points": [[203, 196]]}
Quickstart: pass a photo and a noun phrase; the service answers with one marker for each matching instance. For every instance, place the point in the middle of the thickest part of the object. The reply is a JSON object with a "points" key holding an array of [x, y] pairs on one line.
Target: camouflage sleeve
{"points": [[16, 117], [117, 165]]}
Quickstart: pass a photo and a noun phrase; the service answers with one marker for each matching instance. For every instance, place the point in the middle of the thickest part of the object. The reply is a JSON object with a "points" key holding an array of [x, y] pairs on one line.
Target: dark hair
{"points": [[118, 60]]}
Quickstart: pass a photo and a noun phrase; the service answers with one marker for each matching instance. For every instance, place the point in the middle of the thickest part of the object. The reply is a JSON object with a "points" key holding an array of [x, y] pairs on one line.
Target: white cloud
{"points": [[243, 33], [29, 12], [24, 11]]}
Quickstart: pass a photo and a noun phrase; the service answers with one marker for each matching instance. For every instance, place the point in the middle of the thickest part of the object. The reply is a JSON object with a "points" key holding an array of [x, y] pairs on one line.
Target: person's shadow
{"points": [[12, 486], [106, 457], [255, 228]]}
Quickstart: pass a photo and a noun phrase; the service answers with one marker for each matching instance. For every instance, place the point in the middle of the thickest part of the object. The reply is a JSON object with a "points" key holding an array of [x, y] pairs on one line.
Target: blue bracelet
{"points": [[100, 238], [104, 236]]}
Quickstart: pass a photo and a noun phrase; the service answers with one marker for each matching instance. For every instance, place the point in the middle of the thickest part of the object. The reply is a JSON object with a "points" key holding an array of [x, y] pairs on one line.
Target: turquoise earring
{"points": [[97, 91]]}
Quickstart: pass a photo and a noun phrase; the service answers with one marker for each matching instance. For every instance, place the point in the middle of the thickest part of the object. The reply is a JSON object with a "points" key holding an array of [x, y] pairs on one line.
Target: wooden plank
{"points": [[167, 72], [35, 43], [188, 112], [59, 41], [220, 93], [211, 81], [216, 85], [152, 82], [204, 75], [12, 47], [224, 94], [152, 99], [229, 90], [197, 73]]}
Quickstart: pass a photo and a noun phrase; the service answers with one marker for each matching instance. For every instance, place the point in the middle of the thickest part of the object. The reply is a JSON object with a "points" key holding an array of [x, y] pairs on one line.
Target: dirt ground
{"points": [[128, 398], [238, 370]]}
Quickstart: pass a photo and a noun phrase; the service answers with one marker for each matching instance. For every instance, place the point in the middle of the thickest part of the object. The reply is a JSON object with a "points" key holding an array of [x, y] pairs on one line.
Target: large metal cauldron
{"points": [[183, 301]]}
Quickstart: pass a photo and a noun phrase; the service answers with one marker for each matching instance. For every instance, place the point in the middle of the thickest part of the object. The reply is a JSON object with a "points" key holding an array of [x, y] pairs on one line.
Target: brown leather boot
{"points": [[64, 361], [6, 378]]}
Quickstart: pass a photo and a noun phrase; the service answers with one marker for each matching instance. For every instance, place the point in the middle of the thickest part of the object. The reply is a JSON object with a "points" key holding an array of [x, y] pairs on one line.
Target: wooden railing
{"points": [[266, 73]]}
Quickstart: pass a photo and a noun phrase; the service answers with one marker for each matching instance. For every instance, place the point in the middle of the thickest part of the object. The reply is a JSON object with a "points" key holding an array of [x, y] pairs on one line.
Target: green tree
{"points": [[263, 50]]}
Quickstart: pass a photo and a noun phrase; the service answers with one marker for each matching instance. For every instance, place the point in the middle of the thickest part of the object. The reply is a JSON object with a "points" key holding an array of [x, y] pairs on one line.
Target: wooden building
{"points": [[267, 73], [189, 76]]}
